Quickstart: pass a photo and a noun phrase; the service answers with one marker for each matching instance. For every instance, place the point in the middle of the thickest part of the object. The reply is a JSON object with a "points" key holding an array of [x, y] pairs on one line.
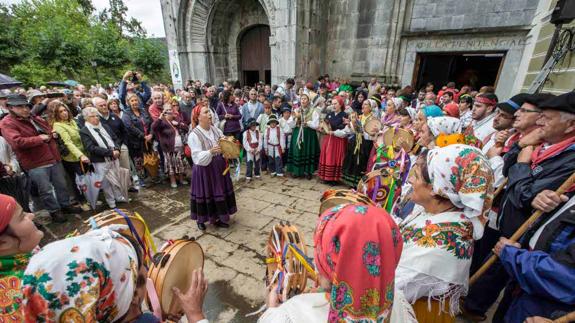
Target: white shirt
{"points": [[255, 137], [199, 156], [483, 128], [272, 144]]}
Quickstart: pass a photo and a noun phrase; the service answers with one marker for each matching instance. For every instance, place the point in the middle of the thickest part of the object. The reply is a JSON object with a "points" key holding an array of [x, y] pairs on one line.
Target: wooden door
{"points": [[255, 55]]}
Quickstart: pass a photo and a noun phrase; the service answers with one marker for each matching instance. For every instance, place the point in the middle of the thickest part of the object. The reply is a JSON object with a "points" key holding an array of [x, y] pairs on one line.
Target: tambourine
{"points": [[172, 267], [286, 261], [230, 147], [372, 126], [398, 138], [332, 198], [137, 228], [325, 127], [382, 186]]}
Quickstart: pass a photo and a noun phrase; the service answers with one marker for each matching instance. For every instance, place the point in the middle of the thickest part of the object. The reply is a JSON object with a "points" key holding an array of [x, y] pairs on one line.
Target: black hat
{"points": [[564, 102], [16, 100], [285, 108], [513, 104], [252, 121], [273, 118], [538, 98]]}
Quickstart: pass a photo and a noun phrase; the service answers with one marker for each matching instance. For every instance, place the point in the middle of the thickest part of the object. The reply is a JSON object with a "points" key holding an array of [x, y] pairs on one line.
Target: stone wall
{"points": [[562, 78], [466, 14]]}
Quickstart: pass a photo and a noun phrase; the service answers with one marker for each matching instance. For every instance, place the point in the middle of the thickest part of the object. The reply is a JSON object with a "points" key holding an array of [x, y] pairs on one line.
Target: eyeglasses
{"points": [[524, 110]]}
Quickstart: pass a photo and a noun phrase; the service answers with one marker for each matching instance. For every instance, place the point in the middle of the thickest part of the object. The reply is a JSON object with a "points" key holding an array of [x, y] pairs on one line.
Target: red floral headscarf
{"points": [[358, 248]]}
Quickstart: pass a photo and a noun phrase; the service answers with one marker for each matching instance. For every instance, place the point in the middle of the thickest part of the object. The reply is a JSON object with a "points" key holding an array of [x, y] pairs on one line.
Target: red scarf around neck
{"points": [[538, 156]]}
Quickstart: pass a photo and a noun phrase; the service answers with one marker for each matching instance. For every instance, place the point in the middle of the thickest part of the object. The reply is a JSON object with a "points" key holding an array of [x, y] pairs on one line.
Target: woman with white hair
{"points": [[103, 146], [391, 118]]}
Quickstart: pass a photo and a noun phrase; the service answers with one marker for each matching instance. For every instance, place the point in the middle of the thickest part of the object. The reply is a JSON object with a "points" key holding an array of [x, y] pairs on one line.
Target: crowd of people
{"points": [[480, 167]]}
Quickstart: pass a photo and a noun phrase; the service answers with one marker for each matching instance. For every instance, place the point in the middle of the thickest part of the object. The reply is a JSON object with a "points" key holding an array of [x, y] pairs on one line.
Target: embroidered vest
{"points": [[205, 141], [255, 144]]}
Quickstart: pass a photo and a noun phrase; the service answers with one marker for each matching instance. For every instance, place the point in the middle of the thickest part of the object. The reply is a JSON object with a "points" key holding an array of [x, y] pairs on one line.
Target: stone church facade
{"points": [[398, 41]]}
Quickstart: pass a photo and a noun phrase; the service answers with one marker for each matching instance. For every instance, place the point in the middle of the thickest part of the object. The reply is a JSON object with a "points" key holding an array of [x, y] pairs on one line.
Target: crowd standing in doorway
{"points": [[480, 167]]}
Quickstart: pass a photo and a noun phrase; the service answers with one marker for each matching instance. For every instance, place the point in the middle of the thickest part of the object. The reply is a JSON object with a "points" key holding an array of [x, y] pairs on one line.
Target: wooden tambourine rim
{"points": [[368, 126], [114, 218], [346, 197], [158, 273], [406, 136], [284, 230], [230, 147]]}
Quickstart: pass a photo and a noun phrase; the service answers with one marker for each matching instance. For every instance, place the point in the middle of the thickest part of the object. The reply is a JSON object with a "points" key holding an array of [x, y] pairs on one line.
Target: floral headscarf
{"points": [[358, 247], [88, 278], [462, 174], [445, 125]]}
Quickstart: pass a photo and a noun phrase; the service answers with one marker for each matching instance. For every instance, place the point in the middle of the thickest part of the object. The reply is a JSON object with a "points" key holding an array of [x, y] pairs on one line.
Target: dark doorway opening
{"points": [[255, 55], [474, 69]]}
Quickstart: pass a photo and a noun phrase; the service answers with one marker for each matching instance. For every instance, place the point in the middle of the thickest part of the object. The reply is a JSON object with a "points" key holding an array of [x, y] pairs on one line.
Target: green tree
{"points": [[149, 56]]}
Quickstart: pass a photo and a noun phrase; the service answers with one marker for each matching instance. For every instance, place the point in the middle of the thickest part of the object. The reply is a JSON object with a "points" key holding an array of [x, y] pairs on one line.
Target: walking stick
{"points": [[522, 229], [500, 188], [570, 317]]}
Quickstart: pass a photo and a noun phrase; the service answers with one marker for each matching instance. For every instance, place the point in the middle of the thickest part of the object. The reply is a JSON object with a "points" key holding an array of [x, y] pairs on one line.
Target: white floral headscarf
{"points": [[445, 125], [88, 278], [462, 174]]}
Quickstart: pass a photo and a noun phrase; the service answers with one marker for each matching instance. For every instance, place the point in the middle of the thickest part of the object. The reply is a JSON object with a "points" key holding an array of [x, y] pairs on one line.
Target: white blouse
{"points": [[199, 156]]}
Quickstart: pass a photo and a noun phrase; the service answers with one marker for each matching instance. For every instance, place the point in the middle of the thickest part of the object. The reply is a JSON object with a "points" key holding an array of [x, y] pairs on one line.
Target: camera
{"points": [[135, 77]]}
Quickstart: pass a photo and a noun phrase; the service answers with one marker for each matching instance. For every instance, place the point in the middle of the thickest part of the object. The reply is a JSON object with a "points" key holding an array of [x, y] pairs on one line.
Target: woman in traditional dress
{"points": [[212, 194], [333, 147], [96, 277], [453, 186], [304, 148], [169, 131], [441, 132], [390, 117], [359, 145], [357, 248], [137, 122]]}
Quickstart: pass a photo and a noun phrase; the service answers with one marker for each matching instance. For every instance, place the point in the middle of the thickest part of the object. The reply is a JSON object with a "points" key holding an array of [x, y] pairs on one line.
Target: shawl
{"points": [[100, 135], [357, 247], [87, 278], [444, 125], [432, 111], [463, 174], [11, 273]]}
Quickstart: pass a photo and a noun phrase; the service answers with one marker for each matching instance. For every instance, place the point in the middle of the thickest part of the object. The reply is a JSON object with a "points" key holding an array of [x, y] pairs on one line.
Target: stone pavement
{"points": [[234, 257]]}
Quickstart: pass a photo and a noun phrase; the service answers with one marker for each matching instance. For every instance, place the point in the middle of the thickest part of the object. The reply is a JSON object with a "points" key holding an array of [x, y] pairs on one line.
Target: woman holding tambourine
{"points": [[212, 191]]}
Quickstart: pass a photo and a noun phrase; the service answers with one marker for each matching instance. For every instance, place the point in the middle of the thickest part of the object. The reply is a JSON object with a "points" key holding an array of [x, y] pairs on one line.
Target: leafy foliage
{"points": [[46, 40]]}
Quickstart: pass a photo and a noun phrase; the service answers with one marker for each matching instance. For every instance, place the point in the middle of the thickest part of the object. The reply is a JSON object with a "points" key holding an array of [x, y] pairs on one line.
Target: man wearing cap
{"points": [[545, 158], [31, 139], [483, 114], [18, 237]]}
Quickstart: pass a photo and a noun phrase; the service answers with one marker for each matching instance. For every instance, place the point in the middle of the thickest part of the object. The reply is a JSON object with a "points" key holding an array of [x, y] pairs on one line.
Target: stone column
{"points": [[283, 39]]}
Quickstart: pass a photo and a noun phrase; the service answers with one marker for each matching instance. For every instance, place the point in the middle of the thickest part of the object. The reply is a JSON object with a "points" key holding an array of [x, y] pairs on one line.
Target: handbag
{"points": [[222, 123], [151, 161]]}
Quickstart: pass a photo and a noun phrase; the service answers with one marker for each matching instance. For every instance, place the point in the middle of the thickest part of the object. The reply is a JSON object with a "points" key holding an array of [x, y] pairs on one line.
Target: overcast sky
{"points": [[148, 12]]}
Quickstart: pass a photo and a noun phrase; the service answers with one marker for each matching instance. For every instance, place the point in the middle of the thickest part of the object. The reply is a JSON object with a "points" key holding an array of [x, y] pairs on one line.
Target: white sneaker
{"points": [[273, 174], [280, 175], [258, 176], [184, 182], [248, 179], [174, 185]]}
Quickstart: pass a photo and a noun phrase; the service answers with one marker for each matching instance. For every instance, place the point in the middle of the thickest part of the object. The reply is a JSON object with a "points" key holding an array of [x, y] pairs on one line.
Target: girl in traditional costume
{"points": [[357, 248], [212, 191], [333, 147], [453, 186], [359, 145], [304, 148]]}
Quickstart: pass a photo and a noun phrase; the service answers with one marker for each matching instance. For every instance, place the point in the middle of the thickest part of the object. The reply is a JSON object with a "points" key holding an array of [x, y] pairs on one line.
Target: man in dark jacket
{"points": [[113, 122], [32, 140], [187, 104], [535, 166]]}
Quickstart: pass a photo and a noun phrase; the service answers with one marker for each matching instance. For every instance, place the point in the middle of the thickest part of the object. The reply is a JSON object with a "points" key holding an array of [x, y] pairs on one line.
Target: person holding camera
{"points": [[32, 139], [132, 82]]}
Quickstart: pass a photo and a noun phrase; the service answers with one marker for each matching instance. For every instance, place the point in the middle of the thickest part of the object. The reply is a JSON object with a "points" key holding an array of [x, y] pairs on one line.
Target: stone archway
{"points": [[255, 55]]}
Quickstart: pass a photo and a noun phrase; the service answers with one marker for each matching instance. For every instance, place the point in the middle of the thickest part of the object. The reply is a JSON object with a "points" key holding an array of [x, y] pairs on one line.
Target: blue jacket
{"points": [[246, 115], [144, 95], [543, 278]]}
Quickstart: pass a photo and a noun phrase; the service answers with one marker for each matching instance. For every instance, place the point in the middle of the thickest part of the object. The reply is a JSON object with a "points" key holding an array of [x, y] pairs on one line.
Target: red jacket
{"points": [[30, 149]]}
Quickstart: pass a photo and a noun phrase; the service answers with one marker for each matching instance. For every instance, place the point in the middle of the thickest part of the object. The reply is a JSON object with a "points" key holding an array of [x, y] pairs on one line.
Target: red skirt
{"points": [[331, 158]]}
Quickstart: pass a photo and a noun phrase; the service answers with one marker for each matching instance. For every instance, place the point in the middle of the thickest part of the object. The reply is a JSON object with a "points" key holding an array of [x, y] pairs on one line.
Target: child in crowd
{"points": [[263, 123], [253, 145], [274, 145], [287, 123]]}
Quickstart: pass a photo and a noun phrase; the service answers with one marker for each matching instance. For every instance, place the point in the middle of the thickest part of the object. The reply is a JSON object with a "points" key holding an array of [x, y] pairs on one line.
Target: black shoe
{"points": [[201, 226], [133, 190], [308, 176], [72, 210], [58, 217], [221, 224]]}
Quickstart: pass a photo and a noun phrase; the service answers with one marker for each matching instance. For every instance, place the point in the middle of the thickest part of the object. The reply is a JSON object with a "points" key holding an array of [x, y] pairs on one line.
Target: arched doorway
{"points": [[255, 55]]}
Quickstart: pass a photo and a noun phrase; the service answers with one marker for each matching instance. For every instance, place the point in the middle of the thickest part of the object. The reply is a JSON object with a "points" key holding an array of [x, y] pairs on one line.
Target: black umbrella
{"points": [[57, 84], [7, 82]]}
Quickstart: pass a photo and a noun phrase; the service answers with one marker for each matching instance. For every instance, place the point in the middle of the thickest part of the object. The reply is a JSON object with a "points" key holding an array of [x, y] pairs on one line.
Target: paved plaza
{"points": [[234, 261]]}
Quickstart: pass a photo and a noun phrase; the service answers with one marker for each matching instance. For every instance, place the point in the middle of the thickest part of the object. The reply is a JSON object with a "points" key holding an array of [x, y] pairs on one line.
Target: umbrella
{"points": [[71, 82], [119, 178], [7, 82], [89, 183], [58, 84]]}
